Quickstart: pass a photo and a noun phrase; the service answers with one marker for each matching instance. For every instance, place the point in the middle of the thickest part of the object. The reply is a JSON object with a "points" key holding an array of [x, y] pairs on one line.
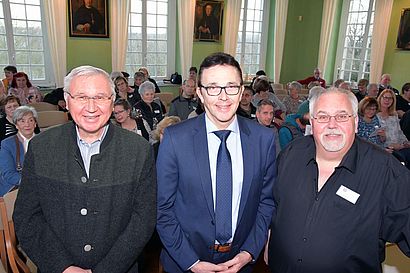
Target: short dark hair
{"points": [[263, 103], [10, 68], [219, 58], [261, 83], [193, 68], [260, 72], [124, 103], [10, 98], [248, 88], [405, 87]]}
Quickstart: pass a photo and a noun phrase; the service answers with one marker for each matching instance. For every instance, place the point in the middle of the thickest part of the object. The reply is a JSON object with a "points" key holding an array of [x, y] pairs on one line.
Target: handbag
{"points": [[175, 78]]}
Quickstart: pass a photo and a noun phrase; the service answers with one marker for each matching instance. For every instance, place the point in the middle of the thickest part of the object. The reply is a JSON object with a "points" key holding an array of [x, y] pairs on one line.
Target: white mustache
{"points": [[332, 132]]}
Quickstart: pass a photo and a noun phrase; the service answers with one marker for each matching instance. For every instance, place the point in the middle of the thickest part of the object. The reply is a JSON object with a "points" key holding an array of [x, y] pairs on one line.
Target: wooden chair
{"points": [[44, 106], [166, 98], [51, 118], [276, 86], [14, 255]]}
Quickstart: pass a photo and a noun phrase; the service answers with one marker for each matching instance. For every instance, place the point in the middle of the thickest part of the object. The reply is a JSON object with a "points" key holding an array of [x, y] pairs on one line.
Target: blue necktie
{"points": [[223, 206]]}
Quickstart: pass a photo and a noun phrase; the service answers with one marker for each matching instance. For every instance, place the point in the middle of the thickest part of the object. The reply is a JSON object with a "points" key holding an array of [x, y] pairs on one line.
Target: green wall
{"points": [[396, 61], [302, 39], [270, 58]]}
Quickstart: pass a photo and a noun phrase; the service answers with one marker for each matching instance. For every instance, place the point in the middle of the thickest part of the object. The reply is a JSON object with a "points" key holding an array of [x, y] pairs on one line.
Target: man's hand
{"points": [[205, 267], [239, 261], [76, 269]]}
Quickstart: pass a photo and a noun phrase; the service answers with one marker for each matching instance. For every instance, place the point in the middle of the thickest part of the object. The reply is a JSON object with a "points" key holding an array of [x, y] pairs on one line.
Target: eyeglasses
{"points": [[341, 117], [216, 90], [85, 99], [119, 112], [387, 98]]}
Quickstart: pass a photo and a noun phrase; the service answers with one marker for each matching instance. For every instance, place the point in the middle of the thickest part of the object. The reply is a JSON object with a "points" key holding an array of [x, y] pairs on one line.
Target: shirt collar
{"points": [[23, 138], [100, 139], [210, 127]]}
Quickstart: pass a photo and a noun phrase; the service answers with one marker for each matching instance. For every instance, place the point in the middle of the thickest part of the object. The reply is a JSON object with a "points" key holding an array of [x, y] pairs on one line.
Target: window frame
{"points": [[264, 39], [49, 80], [338, 70], [171, 38]]}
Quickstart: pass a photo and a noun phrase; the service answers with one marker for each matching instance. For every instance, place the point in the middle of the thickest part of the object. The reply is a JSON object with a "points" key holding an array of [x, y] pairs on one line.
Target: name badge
{"points": [[253, 116], [348, 194], [156, 111]]}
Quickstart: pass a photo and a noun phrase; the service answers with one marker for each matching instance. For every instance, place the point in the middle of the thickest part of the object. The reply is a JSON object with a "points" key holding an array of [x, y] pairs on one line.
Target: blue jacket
{"points": [[9, 176], [285, 135]]}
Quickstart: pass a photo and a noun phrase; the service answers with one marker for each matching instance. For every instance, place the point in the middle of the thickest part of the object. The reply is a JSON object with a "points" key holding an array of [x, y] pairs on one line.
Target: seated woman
{"points": [[403, 100], [293, 100], [369, 125], [22, 88], [150, 110], [7, 128], [125, 119], [396, 141], [14, 147], [124, 91], [261, 87]]}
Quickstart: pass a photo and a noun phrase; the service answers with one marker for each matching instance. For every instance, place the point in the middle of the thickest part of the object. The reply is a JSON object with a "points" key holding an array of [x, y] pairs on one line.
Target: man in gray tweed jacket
{"points": [[87, 197]]}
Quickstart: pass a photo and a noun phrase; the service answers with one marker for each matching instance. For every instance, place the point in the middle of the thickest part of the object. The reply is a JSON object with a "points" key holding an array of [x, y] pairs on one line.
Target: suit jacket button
{"points": [[83, 211], [87, 248], [83, 179]]}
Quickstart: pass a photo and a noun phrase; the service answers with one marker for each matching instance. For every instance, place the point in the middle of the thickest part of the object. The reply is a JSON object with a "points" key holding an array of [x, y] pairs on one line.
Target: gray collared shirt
{"points": [[87, 150]]}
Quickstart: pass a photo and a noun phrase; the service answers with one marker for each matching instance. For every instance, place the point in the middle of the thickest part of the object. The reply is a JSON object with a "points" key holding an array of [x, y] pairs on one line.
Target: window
{"points": [[151, 37], [251, 46], [23, 39], [353, 57]]}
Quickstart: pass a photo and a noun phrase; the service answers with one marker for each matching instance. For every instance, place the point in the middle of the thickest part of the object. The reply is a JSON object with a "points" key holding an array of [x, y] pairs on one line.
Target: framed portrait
{"points": [[403, 37], [208, 21], [88, 18]]}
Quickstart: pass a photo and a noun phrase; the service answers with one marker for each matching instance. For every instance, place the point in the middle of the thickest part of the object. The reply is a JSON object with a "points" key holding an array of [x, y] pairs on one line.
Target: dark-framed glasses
{"points": [[230, 90], [101, 99], [325, 118]]}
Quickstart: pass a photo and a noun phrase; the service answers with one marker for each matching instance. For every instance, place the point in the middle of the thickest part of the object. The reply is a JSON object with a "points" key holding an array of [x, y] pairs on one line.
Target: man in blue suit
{"points": [[215, 179]]}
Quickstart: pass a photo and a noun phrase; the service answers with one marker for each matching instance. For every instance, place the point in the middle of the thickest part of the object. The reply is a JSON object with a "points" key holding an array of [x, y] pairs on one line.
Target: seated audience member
{"points": [[294, 126], [21, 87], [265, 115], [124, 91], [147, 77], [372, 90], [338, 82], [193, 73], [361, 89], [261, 87], [139, 78], [7, 127], [246, 108], [403, 100], [405, 124], [345, 86], [158, 133], [293, 100], [259, 73], [185, 103], [125, 119], [56, 97], [369, 125], [315, 78], [9, 71], [396, 141], [305, 105], [14, 147], [385, 84], [150, 110]]}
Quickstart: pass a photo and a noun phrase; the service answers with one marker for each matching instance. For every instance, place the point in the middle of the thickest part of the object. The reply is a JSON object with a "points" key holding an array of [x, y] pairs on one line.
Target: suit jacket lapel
{"points": [[248, 159], [202, 159]]}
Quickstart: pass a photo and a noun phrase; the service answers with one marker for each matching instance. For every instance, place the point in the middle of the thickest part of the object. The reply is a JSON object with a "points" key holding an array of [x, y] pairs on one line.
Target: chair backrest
{"points": [[51, 118], [166, 98], [277, 86], [44, 106]]}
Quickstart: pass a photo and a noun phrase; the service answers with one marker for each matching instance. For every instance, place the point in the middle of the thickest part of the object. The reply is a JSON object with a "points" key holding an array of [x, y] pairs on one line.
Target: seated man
{"points": [[265, 115], [315, 78], [185, 103], [294, 125], [246, 108], [385, 84]]}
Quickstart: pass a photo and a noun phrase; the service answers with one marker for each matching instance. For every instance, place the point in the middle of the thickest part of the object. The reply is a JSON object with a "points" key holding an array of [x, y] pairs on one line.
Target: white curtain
{"points": [[281, 14], [57, 31], [382, 16], [231, 26], [119, 33], [186, 13], [328, 20]]}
